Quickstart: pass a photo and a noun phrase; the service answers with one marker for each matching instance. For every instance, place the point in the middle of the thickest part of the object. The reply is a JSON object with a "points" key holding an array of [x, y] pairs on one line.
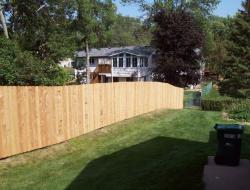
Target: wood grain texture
{"points": [[36, 117]]}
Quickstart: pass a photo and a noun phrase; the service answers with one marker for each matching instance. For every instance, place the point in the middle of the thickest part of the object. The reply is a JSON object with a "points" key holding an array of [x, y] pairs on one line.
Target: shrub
{"points": [[240, 111], [214, 101], [23, 68], [8, 51], [217, 104], [33, 71]]}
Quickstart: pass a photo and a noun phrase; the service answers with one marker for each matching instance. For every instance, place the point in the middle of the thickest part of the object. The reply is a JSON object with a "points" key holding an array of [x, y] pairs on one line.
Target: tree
{"points": [[128, 31], [178, 40], [22, 68], [199, 7], [8, 52], [43, 31], [216, 43], [30, 70], [40, 38], [236, 72], [3, 4], [93, 22]]}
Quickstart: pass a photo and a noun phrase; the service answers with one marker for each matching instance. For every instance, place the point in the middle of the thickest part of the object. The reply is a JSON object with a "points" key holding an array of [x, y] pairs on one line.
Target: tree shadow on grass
{"points": [[159, 163]]}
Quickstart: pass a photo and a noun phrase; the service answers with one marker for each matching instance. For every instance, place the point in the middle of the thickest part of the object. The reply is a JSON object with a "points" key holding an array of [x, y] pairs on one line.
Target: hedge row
{"points": [[217, 104]]}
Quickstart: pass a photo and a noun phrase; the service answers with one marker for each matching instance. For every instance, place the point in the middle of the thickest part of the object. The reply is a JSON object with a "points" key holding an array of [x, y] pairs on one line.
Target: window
{"points": [[120, 62], [141, 61], [134, 60], [115, 62], [91, 61], [128, 62], [146, 62]]}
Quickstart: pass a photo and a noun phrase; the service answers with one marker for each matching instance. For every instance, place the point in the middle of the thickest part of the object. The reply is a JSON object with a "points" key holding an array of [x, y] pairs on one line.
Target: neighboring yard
{"points": [[160, 150]]}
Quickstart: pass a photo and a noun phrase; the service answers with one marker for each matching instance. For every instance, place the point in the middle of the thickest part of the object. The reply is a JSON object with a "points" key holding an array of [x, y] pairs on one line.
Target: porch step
{"points": [[217, 177]]}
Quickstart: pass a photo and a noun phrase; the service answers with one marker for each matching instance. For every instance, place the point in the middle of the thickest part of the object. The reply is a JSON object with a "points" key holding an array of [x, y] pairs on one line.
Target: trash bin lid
{"points": [[229, 127]]}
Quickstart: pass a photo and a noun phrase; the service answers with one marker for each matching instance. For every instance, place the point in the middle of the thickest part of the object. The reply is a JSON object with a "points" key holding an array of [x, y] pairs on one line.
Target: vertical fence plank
{"points": [[2, 124]]}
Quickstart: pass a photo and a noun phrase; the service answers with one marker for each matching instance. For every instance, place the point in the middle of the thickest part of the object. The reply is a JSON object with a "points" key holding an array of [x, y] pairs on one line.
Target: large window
{"points": [[92, 61], [121, 62], [114, 62], [141, 61], [128, 62], [134, 60]]}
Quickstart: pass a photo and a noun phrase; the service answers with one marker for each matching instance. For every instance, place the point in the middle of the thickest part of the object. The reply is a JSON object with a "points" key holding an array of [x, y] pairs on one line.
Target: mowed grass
{"points": [[162, 150]]}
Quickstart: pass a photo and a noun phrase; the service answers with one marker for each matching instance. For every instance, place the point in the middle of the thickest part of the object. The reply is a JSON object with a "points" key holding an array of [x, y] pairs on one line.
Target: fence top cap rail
{"points": [[96, 84]]}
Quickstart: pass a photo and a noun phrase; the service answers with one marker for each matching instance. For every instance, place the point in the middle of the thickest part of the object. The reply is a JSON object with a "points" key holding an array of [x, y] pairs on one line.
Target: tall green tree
{"points": [[92, 24], [200, 7], [216, 43], [128, 31], [236, 71], [178, 40], [43, 27], [40, 37]]}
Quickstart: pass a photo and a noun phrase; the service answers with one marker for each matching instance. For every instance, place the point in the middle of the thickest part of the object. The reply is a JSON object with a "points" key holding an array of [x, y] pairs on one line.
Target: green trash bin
{"points": [[229, 144]]}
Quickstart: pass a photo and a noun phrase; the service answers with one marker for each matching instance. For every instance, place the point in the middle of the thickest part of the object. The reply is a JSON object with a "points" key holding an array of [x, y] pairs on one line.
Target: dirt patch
{"points": [[31, 157]]}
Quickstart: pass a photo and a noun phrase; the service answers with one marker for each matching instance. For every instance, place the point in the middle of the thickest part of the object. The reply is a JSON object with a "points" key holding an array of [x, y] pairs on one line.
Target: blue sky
{"points": [[226, 7]]}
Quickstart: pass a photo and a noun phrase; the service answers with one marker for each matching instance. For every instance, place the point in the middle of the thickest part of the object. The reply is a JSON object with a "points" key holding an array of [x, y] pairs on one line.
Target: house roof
{"points": [[107, 52]]}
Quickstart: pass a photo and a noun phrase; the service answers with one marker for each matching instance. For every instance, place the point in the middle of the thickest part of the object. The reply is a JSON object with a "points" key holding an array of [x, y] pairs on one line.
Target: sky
{"points": [[225, 8]]}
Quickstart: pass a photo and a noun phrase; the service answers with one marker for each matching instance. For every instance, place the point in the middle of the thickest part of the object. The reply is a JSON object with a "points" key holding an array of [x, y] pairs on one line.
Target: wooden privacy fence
{"points": [[36, 117]]}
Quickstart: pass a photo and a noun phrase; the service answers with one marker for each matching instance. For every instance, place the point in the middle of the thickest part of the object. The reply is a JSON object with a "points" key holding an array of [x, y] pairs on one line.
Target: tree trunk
{"points": [[87, 62], [248, 7], [2, 19]]}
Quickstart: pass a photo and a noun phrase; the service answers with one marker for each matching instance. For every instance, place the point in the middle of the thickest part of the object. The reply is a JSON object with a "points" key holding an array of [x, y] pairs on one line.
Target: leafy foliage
{"points": [[33, 71], [45, 32], [236, 72], [128, 31], [93, 22], [92, 25], [214, 101], [216, 43], [200, 8], [22, 68], [218, 104], [8, 51], [178, 40], [41, 37], [240, 111]]}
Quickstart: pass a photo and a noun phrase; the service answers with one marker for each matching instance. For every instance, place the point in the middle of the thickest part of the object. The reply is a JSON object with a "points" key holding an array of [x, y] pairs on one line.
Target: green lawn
{"points": [[160, 150]]}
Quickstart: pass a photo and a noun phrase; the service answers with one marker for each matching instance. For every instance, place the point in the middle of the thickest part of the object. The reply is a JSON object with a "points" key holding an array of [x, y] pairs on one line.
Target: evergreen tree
{"points": [[236, 72], [216, 43]]}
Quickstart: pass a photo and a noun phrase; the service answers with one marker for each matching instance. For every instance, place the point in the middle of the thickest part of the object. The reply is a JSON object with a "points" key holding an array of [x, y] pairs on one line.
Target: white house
{"points": [[129, 63]]}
